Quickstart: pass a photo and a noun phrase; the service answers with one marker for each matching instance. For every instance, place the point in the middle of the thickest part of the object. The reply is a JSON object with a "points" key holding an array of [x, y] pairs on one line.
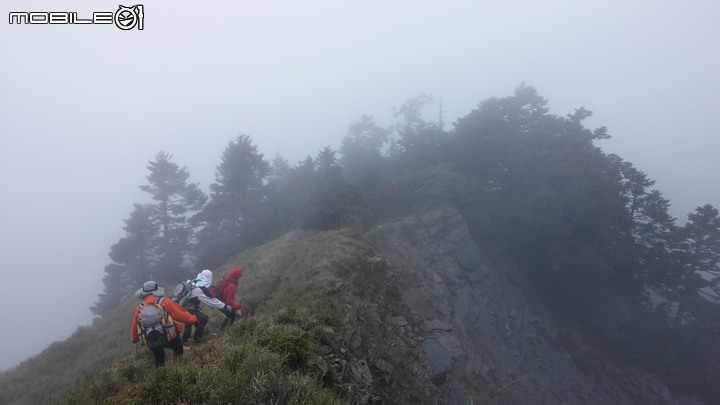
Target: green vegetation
{"points": [[260, 361]]}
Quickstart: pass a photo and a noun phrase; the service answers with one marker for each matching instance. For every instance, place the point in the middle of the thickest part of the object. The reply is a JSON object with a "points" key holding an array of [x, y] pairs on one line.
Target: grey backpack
{"points": [[155, 326]]}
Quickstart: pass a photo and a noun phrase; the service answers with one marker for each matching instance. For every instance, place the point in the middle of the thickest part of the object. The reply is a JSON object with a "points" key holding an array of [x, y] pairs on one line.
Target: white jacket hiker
{"points": [[200, 293]]}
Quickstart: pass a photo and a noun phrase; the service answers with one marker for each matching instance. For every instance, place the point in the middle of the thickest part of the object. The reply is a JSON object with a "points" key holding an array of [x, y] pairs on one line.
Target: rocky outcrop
{"points": [[429, 320]]}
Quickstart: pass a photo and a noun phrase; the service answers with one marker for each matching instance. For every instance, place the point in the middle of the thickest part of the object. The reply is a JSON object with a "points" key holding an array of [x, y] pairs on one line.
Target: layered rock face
{"points": [[428, 319]]}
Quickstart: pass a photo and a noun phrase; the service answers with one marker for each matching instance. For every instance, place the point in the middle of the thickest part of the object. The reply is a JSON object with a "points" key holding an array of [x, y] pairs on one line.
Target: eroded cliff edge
{"points": [[428, 318]]}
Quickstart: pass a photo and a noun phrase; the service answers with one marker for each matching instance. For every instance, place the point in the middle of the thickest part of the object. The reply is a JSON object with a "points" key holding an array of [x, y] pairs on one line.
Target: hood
{"points": [[235, 274], [204, 279]]}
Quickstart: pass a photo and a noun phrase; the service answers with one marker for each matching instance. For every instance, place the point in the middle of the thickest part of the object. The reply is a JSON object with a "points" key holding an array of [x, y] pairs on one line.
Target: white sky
{"points": [[84, 108]]}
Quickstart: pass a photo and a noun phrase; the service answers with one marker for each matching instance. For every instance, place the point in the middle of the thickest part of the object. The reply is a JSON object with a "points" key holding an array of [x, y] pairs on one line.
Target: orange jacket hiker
{"points": [[178, 313], [150, 293]]}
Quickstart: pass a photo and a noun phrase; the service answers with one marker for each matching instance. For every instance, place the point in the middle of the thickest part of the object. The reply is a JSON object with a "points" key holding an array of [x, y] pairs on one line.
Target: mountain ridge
{"points": [[413, 311]]}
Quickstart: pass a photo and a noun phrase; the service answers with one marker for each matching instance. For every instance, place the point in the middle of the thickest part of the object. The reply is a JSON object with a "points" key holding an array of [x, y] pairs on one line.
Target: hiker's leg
{"points": [[176, 346], [188, 328], [200, 326], [159, 354], [187, 333]]}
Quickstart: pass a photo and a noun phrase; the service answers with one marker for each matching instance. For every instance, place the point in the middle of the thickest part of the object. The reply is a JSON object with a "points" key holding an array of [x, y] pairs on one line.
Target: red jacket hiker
{"points": [[229, 288]]}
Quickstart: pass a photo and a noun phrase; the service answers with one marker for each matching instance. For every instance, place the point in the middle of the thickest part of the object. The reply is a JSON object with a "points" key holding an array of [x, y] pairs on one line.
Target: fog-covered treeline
{"points": [[588, 228]]}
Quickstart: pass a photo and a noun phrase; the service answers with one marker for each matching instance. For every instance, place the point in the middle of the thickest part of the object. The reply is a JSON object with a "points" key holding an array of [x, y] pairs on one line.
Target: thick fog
{"points": [[83, 108]]}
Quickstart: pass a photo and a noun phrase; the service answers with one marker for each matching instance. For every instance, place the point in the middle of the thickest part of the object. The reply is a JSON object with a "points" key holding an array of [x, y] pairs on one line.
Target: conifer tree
{"points": [[279, 170], [230, 220], [157, 241], [701, 245], [334, 197], [132, 258], [361, 149], [175, 199], [297, 195]]}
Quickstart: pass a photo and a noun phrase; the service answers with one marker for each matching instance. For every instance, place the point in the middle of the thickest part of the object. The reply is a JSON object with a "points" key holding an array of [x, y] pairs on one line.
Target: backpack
{"points": [[155, 326], [181, 294], [217, 289]]}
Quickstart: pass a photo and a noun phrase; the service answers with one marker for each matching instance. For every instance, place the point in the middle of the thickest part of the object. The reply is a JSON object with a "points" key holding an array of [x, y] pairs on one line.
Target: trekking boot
{"points": [[199, 340]]}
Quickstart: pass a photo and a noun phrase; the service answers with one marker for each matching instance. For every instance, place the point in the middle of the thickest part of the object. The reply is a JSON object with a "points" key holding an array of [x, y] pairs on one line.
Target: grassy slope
{"points": [[62, 364], [288, 286]]}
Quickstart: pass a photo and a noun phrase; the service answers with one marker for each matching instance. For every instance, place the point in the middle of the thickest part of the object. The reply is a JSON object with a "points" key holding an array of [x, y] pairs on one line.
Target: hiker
{"points": [[147, 315], [200, 293], [225, 290]]}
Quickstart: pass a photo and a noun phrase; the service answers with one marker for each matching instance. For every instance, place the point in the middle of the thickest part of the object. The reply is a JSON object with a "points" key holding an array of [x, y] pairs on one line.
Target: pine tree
{"points": [[701, 244], [297, 196], [361, 149], [334, 198], [175, 199], [279, 170], [230, 220], [132, 258], [157, 241]]}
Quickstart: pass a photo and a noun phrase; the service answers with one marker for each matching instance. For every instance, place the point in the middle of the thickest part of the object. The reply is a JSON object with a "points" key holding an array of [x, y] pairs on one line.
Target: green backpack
{"points": [[181, 293]]}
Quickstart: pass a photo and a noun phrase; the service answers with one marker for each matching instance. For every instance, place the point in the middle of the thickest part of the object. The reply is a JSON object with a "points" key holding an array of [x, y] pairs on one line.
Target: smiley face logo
{"points": [[126, 18]]}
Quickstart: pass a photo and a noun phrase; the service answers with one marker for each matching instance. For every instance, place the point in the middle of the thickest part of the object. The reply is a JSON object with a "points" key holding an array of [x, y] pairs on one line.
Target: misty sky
{"points": [[83, 108]]}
